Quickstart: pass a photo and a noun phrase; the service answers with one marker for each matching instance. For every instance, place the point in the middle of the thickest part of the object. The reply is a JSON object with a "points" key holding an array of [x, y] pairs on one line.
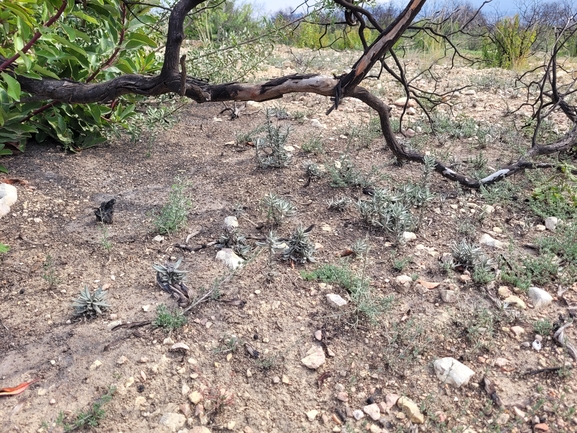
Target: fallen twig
{"points": [[132, 325], [544, 370]]}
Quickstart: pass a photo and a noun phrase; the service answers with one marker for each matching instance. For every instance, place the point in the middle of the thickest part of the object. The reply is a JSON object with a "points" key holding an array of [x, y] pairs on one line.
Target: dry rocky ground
{"points": [[218, 381]]}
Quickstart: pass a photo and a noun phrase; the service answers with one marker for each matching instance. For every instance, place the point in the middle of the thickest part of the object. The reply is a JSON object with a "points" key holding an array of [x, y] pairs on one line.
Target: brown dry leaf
{"points": [[428, 284]]}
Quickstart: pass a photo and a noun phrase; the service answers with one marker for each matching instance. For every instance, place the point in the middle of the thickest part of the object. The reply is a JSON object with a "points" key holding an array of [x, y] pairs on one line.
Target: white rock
{"points": [[373, 411], [229, 258], [404, 280], [158, 238], [402, 101], [315, 358], [451, 371], [312, 414], [469, 92], [8, 196], [317, 124], [358, 414], [537, 345], [539, 297], [173, 421], [409, 236], [551, 223], [336, 300], [490, 242], [230, 222]]}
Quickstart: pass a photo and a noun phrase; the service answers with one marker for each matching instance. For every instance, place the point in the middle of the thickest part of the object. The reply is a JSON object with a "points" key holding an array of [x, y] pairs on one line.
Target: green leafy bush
{"points": [[90, 42]]}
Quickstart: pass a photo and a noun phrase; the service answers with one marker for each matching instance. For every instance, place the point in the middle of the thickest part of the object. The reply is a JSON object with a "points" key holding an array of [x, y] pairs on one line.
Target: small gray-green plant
{"points": [[313, 170], [339, 203], [91, 303], [543, 327], [313, 145], [407, 342], [276, 208], [234, 239], [468, 255], [300, 248], [343, 173], [384, 210], [146, 126], [168, 320], [105, 241], [50, 275], [173, 215], [171, 279], [229, 344], [4, 248], [360, 248], [401, 263], [273, 246], [270, 149]]}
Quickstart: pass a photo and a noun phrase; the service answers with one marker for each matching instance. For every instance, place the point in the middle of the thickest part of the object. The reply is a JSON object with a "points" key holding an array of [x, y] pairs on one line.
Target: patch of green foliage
{"points": [[4, 248], [89, 43], [89, 418], [366, 301], [168, 320], [173, 215], [509, 44]]}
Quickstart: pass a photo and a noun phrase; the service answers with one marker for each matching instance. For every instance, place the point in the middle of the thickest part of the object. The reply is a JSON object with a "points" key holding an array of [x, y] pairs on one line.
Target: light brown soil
{"points": [[54, 216]]}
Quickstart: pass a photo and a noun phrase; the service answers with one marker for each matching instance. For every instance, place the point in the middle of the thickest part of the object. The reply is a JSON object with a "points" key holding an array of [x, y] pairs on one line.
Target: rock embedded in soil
{"points": [[199, 429], [229, 258], [230, 222], [539, 297], [373, 411], [8, 196], [516, 301], [336, 300], [491, 242], [551, 223], [451, 371], [315, 358], [312, 414], [410, 408], [358, 414], [174, 421], [195, 397], [449, 296]]}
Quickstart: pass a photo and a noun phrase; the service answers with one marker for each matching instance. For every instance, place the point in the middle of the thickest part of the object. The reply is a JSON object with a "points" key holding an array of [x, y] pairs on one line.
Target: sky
{"points": [[269, 6]]}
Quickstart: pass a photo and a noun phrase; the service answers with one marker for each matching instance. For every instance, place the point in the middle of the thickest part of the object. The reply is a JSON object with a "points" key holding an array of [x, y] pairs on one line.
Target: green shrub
{"points": [[509, 44]]}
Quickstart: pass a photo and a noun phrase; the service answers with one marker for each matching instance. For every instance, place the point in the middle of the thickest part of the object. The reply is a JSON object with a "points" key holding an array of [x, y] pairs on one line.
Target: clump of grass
{"points": [[543, 327], [343, 173], [168, 320], [276, 208], [367, 303], [300, 248], [91, 303], [173, 215], [90, 418], [314, 145]]}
